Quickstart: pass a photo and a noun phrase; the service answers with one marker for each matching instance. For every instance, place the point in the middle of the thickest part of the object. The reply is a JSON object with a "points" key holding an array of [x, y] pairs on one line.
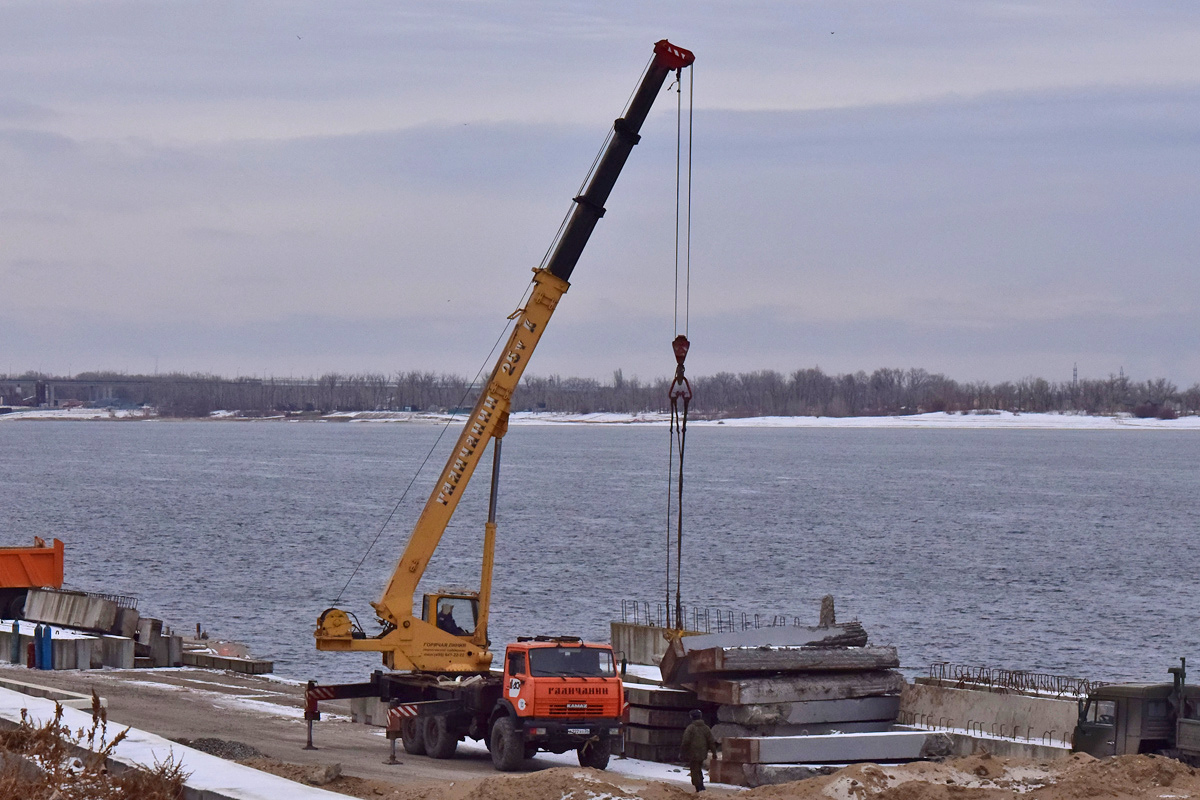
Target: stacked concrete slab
{"points": [[657, 717], [791, 697]]}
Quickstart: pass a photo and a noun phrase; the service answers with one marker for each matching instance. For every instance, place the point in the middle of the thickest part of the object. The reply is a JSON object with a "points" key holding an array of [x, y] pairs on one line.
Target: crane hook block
{"points": [[680, 346]]}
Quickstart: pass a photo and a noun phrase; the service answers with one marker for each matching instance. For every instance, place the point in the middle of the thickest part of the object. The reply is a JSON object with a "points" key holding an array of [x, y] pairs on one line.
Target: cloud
{"points": [[947, 172]]}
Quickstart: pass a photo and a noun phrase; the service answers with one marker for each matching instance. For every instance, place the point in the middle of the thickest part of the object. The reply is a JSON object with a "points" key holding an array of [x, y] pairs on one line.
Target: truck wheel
{"points": [[508, 751], [595, 753], [440, 742], [412, 735]]}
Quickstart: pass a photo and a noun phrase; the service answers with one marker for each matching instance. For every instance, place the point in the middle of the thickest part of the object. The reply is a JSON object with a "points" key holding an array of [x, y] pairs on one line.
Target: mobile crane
{"points": [[554, 693]]}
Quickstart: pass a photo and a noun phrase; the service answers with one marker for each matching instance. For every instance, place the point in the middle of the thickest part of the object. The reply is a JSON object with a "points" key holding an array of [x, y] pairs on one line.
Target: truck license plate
{"points": [[583, 731]]}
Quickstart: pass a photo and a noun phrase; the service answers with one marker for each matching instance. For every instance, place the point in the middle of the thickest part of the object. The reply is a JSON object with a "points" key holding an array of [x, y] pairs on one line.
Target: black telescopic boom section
{"points": [[589, 206]]}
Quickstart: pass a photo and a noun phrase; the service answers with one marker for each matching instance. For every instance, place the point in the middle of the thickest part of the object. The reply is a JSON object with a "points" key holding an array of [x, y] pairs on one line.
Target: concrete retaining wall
{"points": [[75, 652], [963, 745], [1041, 720]]}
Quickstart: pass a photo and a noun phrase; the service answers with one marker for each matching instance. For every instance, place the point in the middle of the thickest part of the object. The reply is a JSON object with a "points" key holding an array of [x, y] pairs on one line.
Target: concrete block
{"points": [[659, 697], [175, 651], [246, 666], [369, 711], [148, 629], [70, 609], [799, 687], [116, 651], [656, 736], [858, 709], [662, 753], [659, 717], [160, 654], [675, 661], [72, 653], [792, 659], [126, 623], [638, 644], [730, 730], [836, 749]]}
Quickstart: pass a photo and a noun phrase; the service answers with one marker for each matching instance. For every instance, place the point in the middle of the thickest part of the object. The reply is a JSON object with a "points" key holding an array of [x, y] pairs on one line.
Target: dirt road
{"points": [[267, 713]]}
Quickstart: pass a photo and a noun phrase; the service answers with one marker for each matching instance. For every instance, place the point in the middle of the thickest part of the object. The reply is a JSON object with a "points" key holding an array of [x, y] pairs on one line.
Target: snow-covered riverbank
{"points": [[1002, 419]]}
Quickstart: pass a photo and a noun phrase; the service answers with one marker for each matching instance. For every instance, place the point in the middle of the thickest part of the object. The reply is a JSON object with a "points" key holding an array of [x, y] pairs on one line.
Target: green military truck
{"points": [[1129, 718]]}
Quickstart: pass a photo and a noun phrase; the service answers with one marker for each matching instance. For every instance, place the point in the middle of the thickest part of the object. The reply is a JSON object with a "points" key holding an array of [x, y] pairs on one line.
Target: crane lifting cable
{"points": [[680, 392]]}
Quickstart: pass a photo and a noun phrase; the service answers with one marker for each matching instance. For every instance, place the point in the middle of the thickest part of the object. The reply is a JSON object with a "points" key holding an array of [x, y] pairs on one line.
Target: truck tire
{"points": [[440, 741], [412, 735], [595, 754], [508, 751]]}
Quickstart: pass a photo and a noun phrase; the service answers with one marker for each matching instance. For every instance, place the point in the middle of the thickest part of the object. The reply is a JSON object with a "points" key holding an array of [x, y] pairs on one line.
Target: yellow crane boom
{"points": [[428, 642]]}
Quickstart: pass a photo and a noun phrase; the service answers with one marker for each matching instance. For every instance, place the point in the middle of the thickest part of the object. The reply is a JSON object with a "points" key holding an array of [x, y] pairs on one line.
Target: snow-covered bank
{"points": [[79, 413], [1002, 419], [989, 420]]}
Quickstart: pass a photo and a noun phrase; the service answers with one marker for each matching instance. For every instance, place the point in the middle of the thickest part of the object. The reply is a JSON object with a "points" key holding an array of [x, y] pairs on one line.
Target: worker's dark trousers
{"points": [[697, 769]]}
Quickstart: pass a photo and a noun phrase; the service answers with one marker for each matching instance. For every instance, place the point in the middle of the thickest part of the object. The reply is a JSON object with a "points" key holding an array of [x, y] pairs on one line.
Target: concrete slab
{"points": [[62, 696], [662, 753], [71, 609], [657, 736], [674, 663], [731, 730], [659, 717], [858, 709], [799, 688], [660, 697], [211, 778], [246, 666], [791, 659], [838, 748]]}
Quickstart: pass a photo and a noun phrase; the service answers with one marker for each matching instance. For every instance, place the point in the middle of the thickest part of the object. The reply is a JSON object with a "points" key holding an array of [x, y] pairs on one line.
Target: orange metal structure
{"points": [[40, 566]]}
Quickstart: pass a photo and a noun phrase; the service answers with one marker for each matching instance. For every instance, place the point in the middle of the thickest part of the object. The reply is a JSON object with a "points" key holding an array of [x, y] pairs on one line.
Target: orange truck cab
{"points": [[558, 693]]}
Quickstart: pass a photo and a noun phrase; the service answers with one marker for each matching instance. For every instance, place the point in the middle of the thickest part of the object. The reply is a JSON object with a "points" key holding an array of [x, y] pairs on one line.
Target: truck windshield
{"points": [[571, 662]]}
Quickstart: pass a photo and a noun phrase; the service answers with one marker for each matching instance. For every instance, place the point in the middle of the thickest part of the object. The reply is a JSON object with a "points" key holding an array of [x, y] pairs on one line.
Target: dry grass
{"points": [[53, 762]]}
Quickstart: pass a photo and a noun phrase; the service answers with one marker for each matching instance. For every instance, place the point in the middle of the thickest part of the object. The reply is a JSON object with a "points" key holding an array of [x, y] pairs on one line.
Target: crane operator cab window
{"points": [[455, 615]]}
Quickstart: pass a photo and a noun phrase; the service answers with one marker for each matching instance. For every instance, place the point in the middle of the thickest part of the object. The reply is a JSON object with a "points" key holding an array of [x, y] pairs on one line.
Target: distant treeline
{"points": [[805, 392]]}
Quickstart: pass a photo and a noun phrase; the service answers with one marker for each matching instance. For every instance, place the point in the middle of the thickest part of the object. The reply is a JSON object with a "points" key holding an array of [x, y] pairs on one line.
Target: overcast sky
{"points": [[986, 189]]}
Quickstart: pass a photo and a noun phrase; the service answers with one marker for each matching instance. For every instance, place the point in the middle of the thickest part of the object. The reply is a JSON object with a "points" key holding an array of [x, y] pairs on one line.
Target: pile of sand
{"points": [[974, 778]]}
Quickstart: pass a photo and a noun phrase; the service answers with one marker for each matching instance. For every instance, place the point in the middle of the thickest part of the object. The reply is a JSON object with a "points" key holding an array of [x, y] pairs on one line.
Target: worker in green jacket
{"points": [[697, 743]]}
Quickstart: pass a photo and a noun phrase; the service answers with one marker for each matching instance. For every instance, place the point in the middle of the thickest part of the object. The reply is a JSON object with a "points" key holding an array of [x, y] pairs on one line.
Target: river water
{"points": [[1070, 552]]}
